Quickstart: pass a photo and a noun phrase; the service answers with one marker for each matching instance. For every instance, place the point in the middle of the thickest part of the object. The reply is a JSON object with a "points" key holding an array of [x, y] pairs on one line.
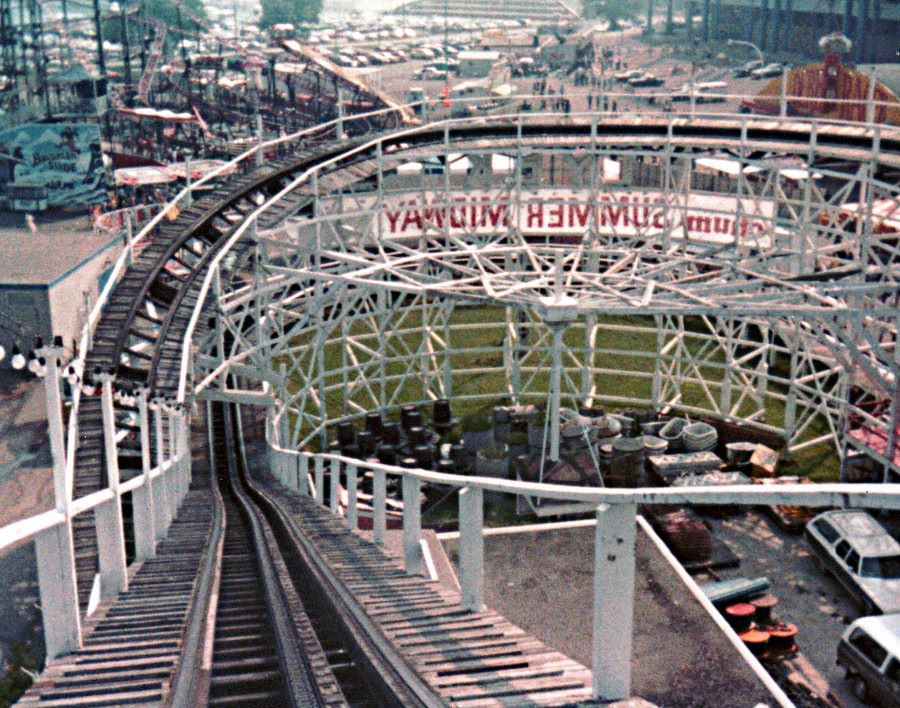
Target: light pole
{"points": [[751, 45]]}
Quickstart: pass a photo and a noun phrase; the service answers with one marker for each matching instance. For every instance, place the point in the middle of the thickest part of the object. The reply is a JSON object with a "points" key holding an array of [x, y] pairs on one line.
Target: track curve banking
{"points": [[139, 336]]}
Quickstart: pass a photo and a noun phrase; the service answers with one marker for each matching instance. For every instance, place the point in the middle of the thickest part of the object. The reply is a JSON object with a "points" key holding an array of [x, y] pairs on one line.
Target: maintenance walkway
{"points": [[466, 658]]}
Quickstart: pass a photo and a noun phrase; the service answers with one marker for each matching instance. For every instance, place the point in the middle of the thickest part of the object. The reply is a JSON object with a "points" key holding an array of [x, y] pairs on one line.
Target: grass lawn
{"points": [[627, 373]]}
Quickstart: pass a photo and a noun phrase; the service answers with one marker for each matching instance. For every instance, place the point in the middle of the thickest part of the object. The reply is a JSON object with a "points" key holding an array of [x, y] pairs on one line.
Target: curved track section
{"points": [[140, 335]]}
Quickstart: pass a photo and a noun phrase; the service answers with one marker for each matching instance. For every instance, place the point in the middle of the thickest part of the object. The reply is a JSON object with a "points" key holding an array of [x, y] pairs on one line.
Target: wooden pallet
{"points": [[467, 658]]}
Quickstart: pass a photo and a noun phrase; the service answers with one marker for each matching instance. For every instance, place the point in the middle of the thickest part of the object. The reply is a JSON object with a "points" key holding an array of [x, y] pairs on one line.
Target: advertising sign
{"points": [[709, 218], [63, 159]]}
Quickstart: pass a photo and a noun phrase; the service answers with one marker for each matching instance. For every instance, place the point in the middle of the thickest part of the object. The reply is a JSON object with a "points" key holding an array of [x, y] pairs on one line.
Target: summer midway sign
{"points": [[63, 158], [709, 218]]}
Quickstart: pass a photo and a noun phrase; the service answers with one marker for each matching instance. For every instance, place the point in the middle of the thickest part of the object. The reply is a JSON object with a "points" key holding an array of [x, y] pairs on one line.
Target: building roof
{"points": [[478, 56], [58, 249]]}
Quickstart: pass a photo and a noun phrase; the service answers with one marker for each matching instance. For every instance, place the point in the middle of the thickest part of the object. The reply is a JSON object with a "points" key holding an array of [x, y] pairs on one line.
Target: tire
{"points": [[860, 689]]}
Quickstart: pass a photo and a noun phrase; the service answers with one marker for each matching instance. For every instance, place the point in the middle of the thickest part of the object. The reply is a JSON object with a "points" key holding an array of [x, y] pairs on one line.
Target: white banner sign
{"points": [[710, 218]]}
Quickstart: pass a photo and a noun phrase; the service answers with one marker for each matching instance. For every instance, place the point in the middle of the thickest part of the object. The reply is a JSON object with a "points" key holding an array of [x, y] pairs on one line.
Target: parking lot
{"points": [[669, 63], [809, 598]]}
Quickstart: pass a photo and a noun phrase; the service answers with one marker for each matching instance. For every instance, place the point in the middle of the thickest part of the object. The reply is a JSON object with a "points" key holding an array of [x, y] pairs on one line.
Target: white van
{"points": [[869, 651]]}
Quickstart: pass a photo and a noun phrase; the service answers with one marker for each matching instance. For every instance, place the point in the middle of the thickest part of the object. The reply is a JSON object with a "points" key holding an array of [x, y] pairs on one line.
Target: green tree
{"points": [[610, 10], [164, 11], [293, 11]]}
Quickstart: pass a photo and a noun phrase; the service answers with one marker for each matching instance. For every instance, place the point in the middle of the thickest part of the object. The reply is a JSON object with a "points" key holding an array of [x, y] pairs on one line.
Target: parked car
{"points": [[767, 71], [745, 69], [625, 76], [646, 80], [861, 555], [869, 651]]}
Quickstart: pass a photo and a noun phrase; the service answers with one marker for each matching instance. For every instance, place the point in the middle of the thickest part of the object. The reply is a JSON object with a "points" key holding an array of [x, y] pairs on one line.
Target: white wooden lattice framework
{"points": [[361, 302]]}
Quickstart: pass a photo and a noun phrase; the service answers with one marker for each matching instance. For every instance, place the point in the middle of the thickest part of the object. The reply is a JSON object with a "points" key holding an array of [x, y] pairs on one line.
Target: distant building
{"points": [[49, 280], [476, 64], [544, 11]]}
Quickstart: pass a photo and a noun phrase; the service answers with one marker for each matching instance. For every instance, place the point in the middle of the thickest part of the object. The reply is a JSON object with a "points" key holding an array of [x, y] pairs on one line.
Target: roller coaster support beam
{"points": [[54, 547], [613, 600], [145, 516], [108, 516], [471, 548]]}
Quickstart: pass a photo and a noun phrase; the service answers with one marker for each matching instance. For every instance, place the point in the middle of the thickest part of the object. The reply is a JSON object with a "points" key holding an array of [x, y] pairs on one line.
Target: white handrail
{"points": [[874, 496]]}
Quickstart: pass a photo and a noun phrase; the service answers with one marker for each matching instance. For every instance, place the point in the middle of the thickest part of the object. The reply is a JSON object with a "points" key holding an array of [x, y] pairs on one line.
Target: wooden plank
{"points": [[487, 657], [524, 690], [558, 669], [549, 698]]}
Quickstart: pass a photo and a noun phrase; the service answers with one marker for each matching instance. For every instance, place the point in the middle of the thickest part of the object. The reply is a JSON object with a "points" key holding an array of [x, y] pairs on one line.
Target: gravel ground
{"points": [[543, 582]]}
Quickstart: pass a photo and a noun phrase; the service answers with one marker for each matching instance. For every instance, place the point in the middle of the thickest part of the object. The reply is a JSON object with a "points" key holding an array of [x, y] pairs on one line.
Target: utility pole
{"points": [[181, 34], [126, 52], [98, 33], [8, 41], [65, 23], [39, 53]]}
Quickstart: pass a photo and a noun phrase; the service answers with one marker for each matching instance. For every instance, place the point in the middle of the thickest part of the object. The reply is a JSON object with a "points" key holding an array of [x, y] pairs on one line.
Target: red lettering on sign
{"points": [[392, 217], [556, 212], [534, 212], [578, 215]]}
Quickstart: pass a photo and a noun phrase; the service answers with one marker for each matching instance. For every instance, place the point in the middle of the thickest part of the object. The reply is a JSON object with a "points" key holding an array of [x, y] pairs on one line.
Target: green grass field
{"points": [[629, 374]]}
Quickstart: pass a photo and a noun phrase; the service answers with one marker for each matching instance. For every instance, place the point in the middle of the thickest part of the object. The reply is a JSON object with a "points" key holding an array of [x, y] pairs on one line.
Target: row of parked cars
{"points": [[357, 56], [864, 558]]}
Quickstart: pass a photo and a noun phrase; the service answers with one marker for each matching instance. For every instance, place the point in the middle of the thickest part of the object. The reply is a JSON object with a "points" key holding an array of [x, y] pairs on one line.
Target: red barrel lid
{"points": [[783, 630], [765, 601], [754, 636], [740, 609]]}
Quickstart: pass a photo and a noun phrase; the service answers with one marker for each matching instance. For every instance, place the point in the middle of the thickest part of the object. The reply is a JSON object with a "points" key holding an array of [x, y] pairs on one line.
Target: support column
{"points": [[379, 512], [471, 548], [555, 394], [172, 473], [142, 497], [613, 600], [319, 473], [303, 475], [334, 478], [155, 487], [352, 511], [61, 615], [164, 490], [108, 516], [54, 547], [412, 522]]}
